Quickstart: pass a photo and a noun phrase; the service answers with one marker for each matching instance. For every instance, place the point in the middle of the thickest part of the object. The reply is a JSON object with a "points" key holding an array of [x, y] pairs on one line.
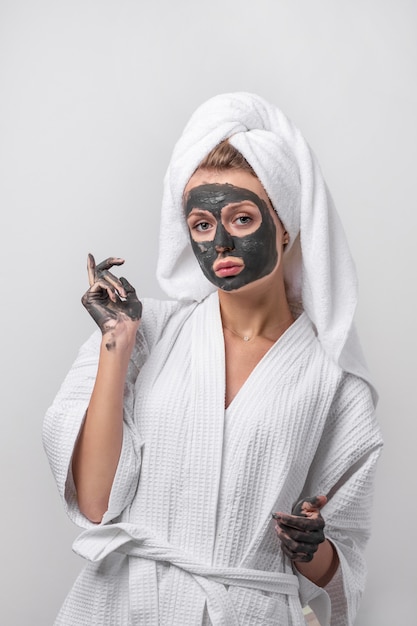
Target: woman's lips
{"points": [[228, 268]]}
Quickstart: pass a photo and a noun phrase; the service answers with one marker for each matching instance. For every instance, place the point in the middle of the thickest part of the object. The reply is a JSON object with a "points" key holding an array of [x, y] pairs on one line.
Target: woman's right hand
{"points": [[110, 301]]}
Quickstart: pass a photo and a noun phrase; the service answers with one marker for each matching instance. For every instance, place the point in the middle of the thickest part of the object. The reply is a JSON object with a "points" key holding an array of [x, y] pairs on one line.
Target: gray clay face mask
{"points": [[255, 253]]}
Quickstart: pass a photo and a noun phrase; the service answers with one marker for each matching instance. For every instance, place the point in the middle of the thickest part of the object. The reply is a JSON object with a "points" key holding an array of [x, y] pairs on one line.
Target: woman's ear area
{"points": [[283, 237]]}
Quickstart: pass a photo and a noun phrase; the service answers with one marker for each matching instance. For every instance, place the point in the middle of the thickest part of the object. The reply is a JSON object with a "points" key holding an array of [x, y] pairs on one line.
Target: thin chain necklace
{"points": [[246, 338]]}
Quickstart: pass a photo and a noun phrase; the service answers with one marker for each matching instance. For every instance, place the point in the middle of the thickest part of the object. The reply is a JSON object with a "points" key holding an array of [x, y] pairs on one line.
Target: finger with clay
{"points": [[110, 300], [302, 532]]}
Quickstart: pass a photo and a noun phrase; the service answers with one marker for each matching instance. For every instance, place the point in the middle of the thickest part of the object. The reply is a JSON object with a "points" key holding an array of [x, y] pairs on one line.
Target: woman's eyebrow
{"points": [[199, 212], [239, 203]]}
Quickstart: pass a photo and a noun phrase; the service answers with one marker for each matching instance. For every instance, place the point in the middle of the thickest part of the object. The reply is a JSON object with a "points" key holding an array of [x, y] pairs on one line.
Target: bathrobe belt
{"points": [[96, 543]]}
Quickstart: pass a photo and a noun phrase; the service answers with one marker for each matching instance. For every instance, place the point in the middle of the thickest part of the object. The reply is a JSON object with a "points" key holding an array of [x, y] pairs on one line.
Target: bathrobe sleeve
{"points": [[343, 469], [64, 420], [65, 417]]}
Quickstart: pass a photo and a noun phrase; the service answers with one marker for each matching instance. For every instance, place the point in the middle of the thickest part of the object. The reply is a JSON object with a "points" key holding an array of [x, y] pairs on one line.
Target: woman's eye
{"points": [[243, 220], [201, 226]]}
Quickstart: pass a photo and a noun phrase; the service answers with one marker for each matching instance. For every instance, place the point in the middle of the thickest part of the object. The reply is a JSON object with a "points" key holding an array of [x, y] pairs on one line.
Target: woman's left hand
{"points": [[302, 531]]}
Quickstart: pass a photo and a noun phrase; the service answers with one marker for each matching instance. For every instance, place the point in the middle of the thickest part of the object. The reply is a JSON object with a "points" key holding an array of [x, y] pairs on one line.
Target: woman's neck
{"points": [[261, 311]]}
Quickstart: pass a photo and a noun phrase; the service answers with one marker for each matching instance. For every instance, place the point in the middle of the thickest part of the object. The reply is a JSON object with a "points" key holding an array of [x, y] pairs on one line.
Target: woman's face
{"points": [[235, 234]]}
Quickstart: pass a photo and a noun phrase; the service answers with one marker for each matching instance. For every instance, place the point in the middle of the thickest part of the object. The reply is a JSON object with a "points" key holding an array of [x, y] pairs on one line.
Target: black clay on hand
{"points": [[301, 532], [109, 300]]}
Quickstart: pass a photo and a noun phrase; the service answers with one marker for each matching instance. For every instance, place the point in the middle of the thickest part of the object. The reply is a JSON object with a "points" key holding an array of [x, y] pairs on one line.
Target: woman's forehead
{"points": [[237, 178]]}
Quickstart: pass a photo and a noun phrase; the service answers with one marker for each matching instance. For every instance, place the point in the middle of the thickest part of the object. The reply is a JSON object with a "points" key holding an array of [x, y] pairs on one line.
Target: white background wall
{"points": [[93, 95]]}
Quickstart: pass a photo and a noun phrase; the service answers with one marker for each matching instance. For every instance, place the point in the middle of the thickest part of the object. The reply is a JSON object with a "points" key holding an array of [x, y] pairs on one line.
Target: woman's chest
{"points": [[241, 358]]}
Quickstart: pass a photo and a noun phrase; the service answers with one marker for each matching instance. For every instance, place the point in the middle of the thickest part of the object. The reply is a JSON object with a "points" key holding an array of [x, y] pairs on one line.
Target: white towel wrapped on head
{"points": [[319, 271]]}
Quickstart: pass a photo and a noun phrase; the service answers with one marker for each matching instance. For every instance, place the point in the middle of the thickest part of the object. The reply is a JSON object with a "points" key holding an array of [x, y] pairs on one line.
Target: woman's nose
{"points": [[223, 240], [223, 248]]}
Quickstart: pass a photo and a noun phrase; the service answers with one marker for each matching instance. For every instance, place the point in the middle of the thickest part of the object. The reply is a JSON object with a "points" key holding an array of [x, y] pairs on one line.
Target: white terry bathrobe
{"points": [[188, 538]]}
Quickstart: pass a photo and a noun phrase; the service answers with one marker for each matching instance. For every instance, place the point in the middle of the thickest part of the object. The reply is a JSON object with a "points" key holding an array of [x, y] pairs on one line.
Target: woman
{"points": [[181, 428]]}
